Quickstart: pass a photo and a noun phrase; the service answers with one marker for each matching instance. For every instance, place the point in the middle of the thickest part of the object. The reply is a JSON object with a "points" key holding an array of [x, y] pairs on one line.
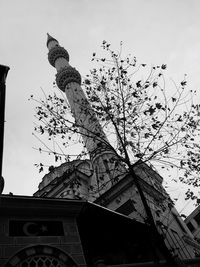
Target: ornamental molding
{"points": [[67, 75], [57, 52]]}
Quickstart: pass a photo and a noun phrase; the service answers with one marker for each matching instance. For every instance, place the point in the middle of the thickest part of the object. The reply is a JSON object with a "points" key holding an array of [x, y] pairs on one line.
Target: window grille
{"points": [[41, 256], [41, 261]]}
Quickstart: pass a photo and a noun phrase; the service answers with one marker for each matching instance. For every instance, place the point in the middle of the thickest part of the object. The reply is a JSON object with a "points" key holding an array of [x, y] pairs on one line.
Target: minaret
{"points": [[68, 80]]}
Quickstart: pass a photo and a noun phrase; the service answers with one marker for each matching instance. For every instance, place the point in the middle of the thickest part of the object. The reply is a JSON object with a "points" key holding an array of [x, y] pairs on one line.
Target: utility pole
{"points": [[3, 74]]}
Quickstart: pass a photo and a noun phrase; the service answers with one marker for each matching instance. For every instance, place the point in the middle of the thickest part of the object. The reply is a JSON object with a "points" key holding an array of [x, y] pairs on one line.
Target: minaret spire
{"points": [[68, 79], [50, 38]]}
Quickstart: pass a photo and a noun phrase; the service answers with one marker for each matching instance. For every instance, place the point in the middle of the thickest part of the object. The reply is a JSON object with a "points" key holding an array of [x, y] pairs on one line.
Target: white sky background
{"points": [[155, 31]]}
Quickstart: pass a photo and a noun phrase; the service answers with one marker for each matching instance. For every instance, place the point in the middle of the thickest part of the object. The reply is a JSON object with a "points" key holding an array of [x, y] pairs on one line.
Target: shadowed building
{"points": [[193, 223], [38, 232]]}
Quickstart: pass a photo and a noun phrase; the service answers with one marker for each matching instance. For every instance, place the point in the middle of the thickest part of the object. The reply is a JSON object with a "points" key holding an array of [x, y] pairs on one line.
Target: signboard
{"points": [[35, 228]]}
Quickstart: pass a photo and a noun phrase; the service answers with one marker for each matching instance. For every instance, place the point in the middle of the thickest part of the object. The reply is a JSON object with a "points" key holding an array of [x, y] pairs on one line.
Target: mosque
{"points": [[130, 221]]}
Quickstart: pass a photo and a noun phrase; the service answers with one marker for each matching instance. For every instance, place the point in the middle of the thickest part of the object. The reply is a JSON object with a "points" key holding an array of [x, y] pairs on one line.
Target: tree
{"points": [[145, 117], [143, 121]]}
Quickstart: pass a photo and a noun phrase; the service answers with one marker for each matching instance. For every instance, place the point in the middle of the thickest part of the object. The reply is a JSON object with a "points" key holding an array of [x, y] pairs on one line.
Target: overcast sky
{"points": [[155, 31]]}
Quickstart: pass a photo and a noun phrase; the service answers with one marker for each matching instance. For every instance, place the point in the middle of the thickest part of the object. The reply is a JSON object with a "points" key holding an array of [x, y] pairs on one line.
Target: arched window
{"points": [[41, 256]]}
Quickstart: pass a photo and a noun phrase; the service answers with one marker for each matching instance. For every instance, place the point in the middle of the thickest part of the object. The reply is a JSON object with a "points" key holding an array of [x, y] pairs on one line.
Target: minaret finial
{"points": [[55, 51], [50, 38]]}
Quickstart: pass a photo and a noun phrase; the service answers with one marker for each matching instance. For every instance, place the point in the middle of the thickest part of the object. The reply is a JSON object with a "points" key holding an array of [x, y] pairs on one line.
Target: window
{"points": [[190, 226], [197, 218], [41, 256], [127, 207]]}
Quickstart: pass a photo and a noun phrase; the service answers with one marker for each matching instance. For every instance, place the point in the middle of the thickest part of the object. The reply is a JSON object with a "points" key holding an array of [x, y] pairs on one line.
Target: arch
{"points": [[41, 256]]}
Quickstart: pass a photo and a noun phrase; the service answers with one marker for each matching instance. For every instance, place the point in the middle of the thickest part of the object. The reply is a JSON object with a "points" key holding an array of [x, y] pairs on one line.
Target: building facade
{"points": [[193, 223], [51, 232]]}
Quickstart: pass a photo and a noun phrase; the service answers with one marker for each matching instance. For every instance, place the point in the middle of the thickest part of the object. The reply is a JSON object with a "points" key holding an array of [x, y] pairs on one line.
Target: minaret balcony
{"points": [[67, 75], [57, 52]]}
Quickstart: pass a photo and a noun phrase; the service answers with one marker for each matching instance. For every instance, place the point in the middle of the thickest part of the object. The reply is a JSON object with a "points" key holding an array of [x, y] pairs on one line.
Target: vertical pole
{"points": [[3, 74]]}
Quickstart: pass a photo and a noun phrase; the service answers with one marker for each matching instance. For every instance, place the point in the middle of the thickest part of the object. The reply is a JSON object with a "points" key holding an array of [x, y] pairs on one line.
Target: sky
{"points": [[155, 31]]}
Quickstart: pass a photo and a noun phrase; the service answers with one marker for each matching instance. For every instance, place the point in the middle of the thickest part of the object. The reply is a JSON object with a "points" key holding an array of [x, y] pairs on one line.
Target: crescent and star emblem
{"points": [[33, 229]]}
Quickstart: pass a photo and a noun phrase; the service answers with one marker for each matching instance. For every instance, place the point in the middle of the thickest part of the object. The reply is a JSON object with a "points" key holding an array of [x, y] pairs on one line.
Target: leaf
{"points": [[146, 135], [87, 82], [180, 119], [41, 169], [138, 84], [151, 110], [183, 83], [155, 126], [155, 84], [164, 66], [158, 106], [51, 168]]}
